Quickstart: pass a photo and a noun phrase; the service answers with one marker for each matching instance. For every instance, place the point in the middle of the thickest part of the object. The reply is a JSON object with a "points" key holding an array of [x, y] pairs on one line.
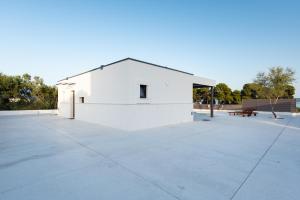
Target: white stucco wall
{"points": [[112, 96]]}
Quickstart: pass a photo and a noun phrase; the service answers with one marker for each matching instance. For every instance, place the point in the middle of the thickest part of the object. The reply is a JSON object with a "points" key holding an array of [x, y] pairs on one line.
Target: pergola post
{"points": [[212, 101]]}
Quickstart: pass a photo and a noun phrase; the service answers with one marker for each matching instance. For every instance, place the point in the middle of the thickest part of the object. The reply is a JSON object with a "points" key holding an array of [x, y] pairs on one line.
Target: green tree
{"points": [[201, 94], [21, 92], [38, 80], [251, 91], [289, 92], [275, 83], [223, 94], [196, 97], [26, 77], [236, 96]]}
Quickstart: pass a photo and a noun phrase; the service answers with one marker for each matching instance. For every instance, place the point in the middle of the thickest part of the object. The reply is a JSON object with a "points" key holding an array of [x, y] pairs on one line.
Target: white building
{"points": [[129, 94]]}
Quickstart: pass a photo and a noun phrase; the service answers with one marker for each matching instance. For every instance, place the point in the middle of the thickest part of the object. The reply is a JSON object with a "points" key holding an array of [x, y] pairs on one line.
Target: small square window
{"points": [[81, 99], [143, 91]]}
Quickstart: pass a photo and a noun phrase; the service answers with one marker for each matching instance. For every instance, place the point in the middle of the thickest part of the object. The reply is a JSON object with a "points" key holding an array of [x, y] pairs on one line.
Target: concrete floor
{"points": [[47, 157]]}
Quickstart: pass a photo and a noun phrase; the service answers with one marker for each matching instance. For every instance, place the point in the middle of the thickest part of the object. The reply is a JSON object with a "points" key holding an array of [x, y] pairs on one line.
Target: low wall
{"points": [[27, 112], [218, 107], [283, 105]]}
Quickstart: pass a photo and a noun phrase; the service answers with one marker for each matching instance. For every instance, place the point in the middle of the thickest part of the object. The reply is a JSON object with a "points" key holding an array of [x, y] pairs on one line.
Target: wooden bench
{"points": [[246, 112]]}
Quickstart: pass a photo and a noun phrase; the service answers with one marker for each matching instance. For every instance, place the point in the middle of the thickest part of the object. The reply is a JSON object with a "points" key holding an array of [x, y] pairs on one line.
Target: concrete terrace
{"points": [[47, 157]]}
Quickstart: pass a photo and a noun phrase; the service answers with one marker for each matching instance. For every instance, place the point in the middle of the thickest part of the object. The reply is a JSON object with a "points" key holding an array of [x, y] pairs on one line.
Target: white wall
{"points": [[164, 86], [65, 100], [112, 96], [134, 117]]}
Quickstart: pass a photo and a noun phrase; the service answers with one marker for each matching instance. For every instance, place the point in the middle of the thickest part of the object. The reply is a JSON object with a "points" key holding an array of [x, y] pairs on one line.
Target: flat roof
{"points": [[102, 66], [194, 160]]}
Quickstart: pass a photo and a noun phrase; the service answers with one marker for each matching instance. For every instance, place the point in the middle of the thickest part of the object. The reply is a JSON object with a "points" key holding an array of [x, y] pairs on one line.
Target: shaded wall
{"points": [[283, 105]]}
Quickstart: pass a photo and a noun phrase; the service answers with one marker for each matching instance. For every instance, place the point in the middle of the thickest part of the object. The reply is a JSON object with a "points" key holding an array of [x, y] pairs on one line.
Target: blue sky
{"points": [[229, 41]]}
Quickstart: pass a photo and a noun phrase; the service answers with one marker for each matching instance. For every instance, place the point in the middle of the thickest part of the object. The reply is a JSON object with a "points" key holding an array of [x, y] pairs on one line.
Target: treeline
{"points": [[25, 93], [224, 95]]}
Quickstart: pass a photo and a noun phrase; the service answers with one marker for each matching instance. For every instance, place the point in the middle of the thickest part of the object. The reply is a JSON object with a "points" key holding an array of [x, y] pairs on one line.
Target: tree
{"points": [[196, 97], [251, 91], [236, 96], [275, 83], [26, 77], [223, 93], [38, 80], [201, 94], [21, 92], [289, 92]]}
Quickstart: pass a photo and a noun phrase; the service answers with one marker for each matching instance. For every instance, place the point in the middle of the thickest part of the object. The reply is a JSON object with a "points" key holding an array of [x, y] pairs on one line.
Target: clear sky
{"points": [[229, 41]]}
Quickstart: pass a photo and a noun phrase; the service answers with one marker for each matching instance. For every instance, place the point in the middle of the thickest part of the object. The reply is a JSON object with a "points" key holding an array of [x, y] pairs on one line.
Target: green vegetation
{"points": [[24, 93], [222, 93], [251, 91], [236, 97], [277, 84], [201, 94]]}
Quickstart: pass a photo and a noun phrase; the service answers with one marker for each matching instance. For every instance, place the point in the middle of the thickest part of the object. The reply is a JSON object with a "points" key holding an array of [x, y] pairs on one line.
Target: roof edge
{"points": [[159, 66], [128, 58]]}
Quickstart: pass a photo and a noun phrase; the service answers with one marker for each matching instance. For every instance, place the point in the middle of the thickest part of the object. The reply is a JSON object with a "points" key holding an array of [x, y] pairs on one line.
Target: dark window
{"points": [[81, 99], [143, 91]]}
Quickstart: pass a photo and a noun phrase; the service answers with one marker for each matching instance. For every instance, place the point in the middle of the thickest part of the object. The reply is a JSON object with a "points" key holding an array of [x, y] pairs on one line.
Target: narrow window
{"points": [[81, 99], [143, 91]]}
